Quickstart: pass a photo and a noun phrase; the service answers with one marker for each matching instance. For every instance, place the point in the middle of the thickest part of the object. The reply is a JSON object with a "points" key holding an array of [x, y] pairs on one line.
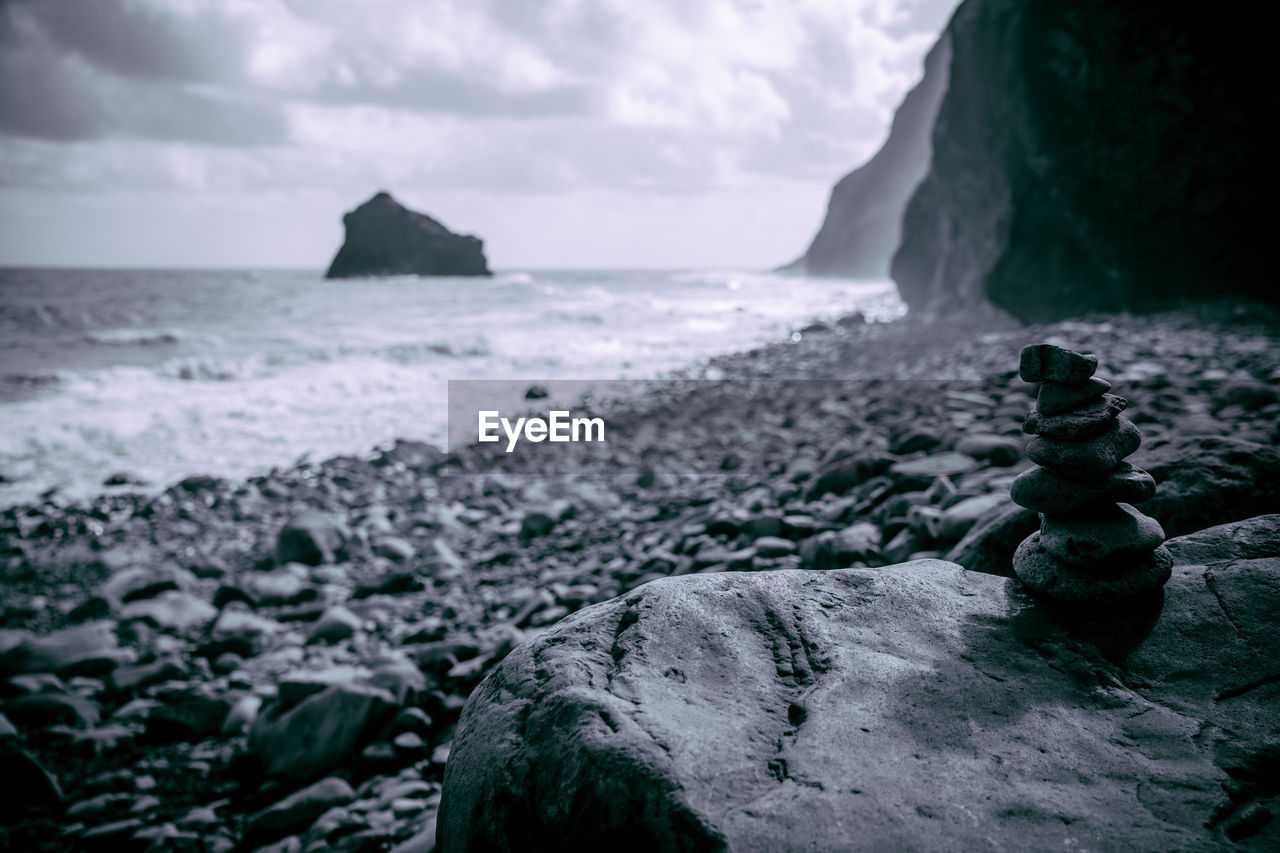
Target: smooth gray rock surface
{"points": [[914, 707]]}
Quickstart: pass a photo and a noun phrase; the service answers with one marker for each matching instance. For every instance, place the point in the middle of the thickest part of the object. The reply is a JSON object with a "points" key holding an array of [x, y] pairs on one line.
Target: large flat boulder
{"points": [[915, 707]]}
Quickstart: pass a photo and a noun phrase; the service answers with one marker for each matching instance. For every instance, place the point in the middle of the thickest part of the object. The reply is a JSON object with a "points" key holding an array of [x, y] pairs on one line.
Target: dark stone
{"points": [[914, 439], [1050, 363], [989, 545], [311, 538], [1044, 491], [1001, 450], [52, 709], [535, 524], [1053, 188], [1077, 424], [202, 483], [1251, 395], [188, 714], [864, 216], [88, 649], [112, 836], [296, 812], [128, 679], [1086, 538], [1207, 480], [1054, 398], [920, 473], [392, 583], [24, 784], [304, 741], [124, 478], [385, 238], [416, 455], [840, 476], [840, 549], [1087, 460], [1095, 585]]}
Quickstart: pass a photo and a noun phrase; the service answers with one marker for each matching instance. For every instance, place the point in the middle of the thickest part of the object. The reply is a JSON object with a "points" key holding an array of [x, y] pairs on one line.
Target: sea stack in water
{"points": [[386, 238], [1093, 547]]}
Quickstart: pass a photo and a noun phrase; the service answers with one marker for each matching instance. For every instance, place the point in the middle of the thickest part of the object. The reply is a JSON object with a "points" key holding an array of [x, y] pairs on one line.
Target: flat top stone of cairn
{"points": [[1049, 363]]}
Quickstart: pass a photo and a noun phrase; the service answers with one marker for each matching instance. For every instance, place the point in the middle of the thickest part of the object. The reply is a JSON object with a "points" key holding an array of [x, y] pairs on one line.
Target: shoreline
{"points": [[889, 442], [234, 404]]}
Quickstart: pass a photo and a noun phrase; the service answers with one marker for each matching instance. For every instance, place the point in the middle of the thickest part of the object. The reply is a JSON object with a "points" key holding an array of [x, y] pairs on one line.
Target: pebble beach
{"points": [[279, 663]]}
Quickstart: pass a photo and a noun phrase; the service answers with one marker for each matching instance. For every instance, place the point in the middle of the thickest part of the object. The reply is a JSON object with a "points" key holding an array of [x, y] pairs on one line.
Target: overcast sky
{"points": [[585, 133]]}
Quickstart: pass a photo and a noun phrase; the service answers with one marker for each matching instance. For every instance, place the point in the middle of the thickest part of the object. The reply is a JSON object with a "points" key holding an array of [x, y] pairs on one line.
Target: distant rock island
{"points": [[383, 237], [1085, 156]]}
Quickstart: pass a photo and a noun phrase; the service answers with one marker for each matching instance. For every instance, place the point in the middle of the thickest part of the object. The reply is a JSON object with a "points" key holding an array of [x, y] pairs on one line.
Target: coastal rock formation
{"points": [[914, 707], [864, 217], [385, 238], [1092, 156], [1091, 548]]}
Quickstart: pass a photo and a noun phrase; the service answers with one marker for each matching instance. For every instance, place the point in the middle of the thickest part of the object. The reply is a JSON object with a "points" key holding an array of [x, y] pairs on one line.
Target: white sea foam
{"points": [[263, 368], [134, 337]]}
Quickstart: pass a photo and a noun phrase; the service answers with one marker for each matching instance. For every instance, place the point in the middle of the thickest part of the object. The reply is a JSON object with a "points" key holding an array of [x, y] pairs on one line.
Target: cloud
{"points": [[65, 79], [659, 96], [198, 42]]}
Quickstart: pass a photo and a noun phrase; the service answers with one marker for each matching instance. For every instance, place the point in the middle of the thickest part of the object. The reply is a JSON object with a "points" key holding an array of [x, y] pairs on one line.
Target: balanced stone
{"points": [[1044, 491], [1090, 547], [1049, 363], [1116, 581], [1077, 424], [1087, 460], [1056, 397], [1097, 536]]}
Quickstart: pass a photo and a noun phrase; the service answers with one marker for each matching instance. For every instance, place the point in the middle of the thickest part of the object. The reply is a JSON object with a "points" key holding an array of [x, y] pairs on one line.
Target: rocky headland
{"points": [[383, 237], [282, 663], [1084, 156], [863, 223]]}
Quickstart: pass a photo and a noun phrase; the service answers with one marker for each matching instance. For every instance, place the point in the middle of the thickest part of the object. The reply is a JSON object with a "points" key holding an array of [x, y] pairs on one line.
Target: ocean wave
{"points": [[211, 369], [586, 318], [30, 381], [412, 353], [256, 366], [133, 337], [513, 278]]}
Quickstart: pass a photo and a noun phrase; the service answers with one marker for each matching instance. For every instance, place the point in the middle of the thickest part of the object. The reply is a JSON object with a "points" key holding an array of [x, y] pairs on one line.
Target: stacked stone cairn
{"points": [[1093, 547]]}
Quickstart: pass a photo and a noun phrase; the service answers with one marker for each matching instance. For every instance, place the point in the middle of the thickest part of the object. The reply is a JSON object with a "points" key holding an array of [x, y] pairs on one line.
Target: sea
{"points": [[161, 374]]}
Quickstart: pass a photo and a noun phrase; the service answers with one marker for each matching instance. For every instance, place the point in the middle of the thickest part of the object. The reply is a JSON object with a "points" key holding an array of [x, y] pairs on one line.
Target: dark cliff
{"points": [[385, 238], [864, 217], [1091, 155]]}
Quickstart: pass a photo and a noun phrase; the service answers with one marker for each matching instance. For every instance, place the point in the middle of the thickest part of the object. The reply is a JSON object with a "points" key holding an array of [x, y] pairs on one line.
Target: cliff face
{"points": [[864, 216], [1093, 155], [385, 238]]}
